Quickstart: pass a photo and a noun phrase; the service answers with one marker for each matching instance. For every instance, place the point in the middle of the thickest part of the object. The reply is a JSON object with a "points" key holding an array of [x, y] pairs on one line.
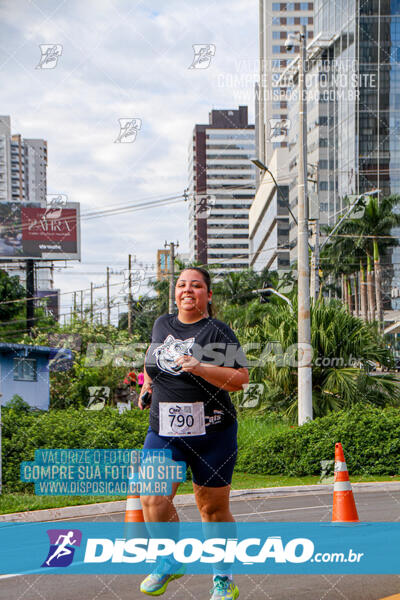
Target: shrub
{"points": [[267, 446], [370, 438], [23, 433]]}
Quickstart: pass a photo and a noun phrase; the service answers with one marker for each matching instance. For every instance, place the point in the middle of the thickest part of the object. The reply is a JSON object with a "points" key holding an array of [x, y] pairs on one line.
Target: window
{"points": [[276, 49], [276, 6], [276, 35], [276, 20], [25, 369]]}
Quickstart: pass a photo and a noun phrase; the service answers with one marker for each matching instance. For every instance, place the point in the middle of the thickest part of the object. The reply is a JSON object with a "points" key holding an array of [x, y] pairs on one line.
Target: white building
{"points": [[269, 219], [23, 178]]}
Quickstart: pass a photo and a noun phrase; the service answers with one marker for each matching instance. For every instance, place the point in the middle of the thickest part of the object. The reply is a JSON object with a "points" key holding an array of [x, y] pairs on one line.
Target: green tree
{"points": [[10, 290], [374, 231], [343, 348], [103, 365], [363, 242]]}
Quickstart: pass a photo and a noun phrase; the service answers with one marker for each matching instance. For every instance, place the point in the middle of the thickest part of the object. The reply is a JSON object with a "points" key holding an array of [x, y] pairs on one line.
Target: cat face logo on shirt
{"points": [[170, 351]]}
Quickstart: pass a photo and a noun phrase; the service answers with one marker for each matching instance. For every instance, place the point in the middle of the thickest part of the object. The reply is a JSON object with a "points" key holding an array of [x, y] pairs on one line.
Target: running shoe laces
{"points": [[224, 589]]}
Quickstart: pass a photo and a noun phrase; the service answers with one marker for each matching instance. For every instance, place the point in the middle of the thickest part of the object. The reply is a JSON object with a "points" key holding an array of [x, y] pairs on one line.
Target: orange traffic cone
{"points": [[134, 512], [344, 506], [134, 520]]}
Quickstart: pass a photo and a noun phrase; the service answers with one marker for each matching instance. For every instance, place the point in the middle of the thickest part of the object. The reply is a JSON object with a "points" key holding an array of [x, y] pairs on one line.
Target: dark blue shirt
{"points": [[208, 340]]}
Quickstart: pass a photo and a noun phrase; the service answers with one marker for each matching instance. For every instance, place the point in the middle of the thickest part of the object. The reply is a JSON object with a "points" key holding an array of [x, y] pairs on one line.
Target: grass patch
{"points": [[19, 502]]}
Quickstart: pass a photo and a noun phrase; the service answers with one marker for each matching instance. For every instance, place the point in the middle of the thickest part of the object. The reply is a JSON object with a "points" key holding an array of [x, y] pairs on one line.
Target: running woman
{"points": [[203, 432]]}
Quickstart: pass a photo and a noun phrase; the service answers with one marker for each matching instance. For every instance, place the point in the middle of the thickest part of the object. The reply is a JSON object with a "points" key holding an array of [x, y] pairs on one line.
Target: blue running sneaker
{"points": [[224, 589], [156, 583]]}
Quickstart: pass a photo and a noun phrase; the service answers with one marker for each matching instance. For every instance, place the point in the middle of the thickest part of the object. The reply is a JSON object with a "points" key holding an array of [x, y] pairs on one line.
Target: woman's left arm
{"points": [[226, 378]]}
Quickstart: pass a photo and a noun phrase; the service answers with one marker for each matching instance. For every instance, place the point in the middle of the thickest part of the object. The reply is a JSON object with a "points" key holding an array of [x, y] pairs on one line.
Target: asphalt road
{"points": [[372, 506]]}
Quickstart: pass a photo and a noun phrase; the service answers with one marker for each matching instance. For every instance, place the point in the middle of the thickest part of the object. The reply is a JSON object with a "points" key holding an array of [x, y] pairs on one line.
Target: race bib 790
{"points": [[181, 418]]}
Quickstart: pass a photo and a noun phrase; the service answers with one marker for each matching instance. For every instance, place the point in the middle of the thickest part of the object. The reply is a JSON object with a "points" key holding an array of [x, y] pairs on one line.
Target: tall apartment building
{"points": [[5, 159], [277, 19], [221, 189], [23, 178], [23, 166], [353, 112], [269, 214]]}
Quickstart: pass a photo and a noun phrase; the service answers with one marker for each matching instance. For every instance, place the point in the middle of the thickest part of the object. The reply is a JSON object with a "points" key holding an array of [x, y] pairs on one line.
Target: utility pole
{"points": [[82, 304], [305, 409], [130, 294], [314, 218], [261, 91], [91, 302], [172, 247], [314, 283], [30, 294], [74, 305], [108, 297]]}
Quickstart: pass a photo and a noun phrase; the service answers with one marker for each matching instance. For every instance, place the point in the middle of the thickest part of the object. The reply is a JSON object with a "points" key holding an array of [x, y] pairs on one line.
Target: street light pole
{"points": [[305, 409], [171, 303], [264, 168]]}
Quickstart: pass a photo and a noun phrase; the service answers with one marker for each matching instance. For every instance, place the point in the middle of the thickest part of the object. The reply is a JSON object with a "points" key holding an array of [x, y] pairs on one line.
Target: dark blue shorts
{"points": [[211, 457]]}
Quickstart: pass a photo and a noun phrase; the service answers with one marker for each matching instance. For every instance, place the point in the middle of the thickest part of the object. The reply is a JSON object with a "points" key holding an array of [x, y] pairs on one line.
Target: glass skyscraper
{"points": [[354, 126]]}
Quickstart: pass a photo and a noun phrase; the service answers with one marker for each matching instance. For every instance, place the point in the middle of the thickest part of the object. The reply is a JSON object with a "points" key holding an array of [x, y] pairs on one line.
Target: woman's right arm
{"points": [[146, 387]]}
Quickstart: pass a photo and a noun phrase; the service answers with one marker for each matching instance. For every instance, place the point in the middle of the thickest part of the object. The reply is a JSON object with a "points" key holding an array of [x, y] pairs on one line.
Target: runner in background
{"points": [[193, 362]]}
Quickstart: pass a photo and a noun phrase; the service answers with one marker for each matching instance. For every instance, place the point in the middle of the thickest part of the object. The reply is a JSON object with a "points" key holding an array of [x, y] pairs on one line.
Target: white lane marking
{"points": [[265, 512]]}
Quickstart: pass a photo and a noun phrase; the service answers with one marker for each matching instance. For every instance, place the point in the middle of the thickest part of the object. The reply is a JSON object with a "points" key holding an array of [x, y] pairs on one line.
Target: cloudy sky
{"points": [[122, 59]]}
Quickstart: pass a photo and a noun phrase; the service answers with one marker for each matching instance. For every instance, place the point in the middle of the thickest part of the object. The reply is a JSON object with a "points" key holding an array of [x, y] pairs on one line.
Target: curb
{"points": [[107, 508]]}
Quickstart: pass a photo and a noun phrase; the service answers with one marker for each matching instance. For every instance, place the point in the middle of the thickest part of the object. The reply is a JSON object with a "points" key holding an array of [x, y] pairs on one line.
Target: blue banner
{"points": [[99, 472], [251, 548]]}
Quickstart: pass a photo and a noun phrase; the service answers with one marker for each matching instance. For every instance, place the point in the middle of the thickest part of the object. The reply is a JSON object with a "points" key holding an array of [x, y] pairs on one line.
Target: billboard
{"points": [[33, 230]]}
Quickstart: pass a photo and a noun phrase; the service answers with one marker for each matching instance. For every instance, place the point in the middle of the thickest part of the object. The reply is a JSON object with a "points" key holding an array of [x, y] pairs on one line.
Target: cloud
{"points": [[120, 59]]}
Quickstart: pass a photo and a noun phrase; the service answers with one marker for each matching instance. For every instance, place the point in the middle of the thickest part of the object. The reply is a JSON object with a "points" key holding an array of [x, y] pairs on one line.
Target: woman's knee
{"points": [[155, 502], [211, 511]]}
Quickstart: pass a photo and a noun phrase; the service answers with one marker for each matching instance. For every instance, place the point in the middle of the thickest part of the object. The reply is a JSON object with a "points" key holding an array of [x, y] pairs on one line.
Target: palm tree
{"points": [[374, 228], [343, 345], [338, 262], [366, 238]]}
